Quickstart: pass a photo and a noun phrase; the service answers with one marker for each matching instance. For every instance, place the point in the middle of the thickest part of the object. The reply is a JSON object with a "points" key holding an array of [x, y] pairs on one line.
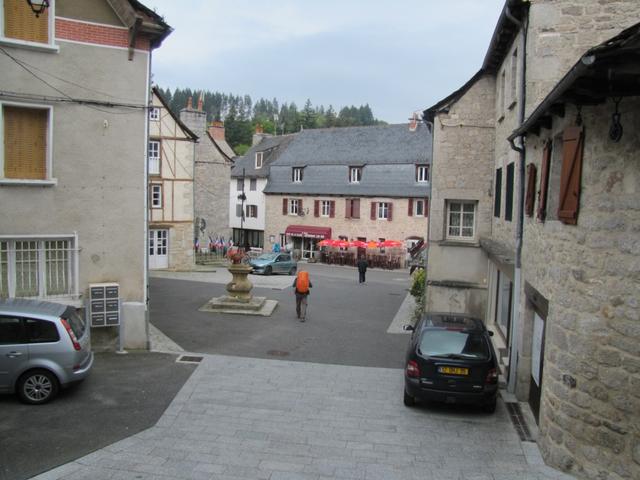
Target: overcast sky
{"points": [[397, 56]]}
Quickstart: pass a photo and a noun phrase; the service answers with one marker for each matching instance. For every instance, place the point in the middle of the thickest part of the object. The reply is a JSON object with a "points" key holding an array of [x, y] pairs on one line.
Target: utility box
{"points": [[104, 304]]}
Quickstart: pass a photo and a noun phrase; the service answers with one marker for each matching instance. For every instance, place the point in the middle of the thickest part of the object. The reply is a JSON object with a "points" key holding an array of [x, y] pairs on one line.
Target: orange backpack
{"points": [[302, 282]]}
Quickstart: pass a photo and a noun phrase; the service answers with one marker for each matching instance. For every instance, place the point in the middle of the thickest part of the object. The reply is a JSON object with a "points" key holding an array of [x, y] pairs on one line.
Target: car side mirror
{"points": [[408, 328], [490, 333]]}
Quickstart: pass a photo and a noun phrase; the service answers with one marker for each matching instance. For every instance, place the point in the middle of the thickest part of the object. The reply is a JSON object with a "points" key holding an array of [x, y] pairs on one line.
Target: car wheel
{"points": [[409, 401], [268, 271], [490, 407], [37, 386], [292, 271]]}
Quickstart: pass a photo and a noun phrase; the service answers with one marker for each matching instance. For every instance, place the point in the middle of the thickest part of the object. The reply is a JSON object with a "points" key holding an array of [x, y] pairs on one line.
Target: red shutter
{"points": [[544, 182], [373, 210], [332, 209], [410, 212], [316, 208], [531, 190], [572, 143], [355, 213], [426, 206], [347, 208], [284, 206], [390, 217]]}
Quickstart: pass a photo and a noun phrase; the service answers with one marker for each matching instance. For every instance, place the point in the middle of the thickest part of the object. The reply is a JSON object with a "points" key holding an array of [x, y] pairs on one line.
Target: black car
{"points": [[451, 359]]}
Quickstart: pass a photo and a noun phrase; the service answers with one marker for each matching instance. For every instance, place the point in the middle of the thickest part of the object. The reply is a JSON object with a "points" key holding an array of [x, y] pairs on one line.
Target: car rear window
{"points": [[76, 322], [41, 331], [437, 342]]}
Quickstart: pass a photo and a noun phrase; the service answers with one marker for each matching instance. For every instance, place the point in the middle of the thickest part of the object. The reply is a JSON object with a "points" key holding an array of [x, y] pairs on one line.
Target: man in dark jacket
{"points": [[362, 268]]}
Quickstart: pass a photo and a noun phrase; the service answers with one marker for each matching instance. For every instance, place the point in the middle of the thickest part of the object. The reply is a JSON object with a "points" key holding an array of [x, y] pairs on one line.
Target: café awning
{"points": [[308, 231]]}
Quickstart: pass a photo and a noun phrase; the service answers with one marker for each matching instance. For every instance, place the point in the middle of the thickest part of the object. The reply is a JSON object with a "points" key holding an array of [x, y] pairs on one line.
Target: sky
{"points": [[398, 56]]}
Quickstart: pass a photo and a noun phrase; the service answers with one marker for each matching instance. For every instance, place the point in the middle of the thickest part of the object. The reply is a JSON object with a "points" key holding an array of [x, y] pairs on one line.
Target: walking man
{"points": [[362, 268], [302, 285]]}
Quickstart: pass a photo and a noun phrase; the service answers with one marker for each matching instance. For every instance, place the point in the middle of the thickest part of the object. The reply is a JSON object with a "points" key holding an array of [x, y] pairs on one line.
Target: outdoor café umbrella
{"points": [[340, 243], [390, 244], [372, 244], [327, 242], [358, 244]]}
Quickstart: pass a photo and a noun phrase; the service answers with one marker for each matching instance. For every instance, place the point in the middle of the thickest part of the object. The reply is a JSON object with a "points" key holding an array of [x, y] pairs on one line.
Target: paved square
{"points": [[241, 418]]}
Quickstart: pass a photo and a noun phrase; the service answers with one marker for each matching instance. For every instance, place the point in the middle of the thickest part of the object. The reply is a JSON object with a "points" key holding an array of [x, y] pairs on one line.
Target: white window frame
{"points": [[382, 209], [154, 114], [325, 208], [294, 206], [250, 209], [155, 159], [423, 173], [355, 174], [43, 47], [49, 180], [460, 226], [72, 269], [156, 200], [259, 159], [418, 212], [297, 174]]}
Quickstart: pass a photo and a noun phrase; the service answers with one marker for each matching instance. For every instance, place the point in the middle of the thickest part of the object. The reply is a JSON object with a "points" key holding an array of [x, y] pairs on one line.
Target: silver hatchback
{"points": [[44, 346]]}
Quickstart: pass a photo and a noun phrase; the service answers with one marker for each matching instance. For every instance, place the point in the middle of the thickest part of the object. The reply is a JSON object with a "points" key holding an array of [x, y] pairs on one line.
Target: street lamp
{"points": [[38, 6]]}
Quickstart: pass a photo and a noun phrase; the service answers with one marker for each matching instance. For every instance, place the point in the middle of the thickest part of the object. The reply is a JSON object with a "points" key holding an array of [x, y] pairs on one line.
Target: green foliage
{"points": [[241, 149], [417, 289]]}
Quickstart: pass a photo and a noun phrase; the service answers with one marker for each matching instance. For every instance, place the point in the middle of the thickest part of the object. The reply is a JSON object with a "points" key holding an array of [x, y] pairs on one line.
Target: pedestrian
{"points": [[301, 284], [362, 268]]}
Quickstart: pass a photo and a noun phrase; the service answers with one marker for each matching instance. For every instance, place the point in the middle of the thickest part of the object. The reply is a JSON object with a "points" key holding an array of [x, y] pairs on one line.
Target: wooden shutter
{"points": [[316, 208], [572, 142], [355, 213], [285, 204], [531, 190], [426, 206], [21, 23], [410, 211], [25, 142], [390, 216], [332, 209], [300, 210], [347, 208], [544, 182], [373, 210]]}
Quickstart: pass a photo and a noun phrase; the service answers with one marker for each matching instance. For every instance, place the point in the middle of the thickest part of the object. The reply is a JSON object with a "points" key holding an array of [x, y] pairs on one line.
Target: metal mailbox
{"points": [[104, 304]]}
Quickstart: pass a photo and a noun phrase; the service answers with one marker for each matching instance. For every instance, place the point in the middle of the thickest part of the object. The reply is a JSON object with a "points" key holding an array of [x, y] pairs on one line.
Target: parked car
{"points": [[451, 359], [269, 263], [44, 346]]}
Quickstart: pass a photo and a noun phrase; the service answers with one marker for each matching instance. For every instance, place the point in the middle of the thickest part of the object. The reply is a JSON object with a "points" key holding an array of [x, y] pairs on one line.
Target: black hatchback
{"points": [[451, 359]]}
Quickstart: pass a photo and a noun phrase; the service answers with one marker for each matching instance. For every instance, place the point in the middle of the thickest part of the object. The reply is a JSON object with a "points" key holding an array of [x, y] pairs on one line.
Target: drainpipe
{"points": [[518, 314], [431, 127]]}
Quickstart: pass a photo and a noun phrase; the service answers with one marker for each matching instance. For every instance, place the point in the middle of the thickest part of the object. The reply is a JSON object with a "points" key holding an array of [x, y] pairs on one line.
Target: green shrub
{"points": [[417, 289]]}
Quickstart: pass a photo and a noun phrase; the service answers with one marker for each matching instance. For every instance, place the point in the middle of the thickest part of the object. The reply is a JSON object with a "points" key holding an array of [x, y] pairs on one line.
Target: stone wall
{"points": [[590, 275]]}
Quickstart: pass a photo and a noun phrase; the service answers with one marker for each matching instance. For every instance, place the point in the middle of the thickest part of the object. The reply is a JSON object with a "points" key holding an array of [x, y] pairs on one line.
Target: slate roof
{"points": [[388, 155], [272, 147], [224, 147]]}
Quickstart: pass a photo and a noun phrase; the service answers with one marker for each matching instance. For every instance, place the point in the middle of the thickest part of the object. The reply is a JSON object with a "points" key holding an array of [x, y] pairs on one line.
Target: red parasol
{"points": [[358, 244], [372, 244], [390, 244], [341, 243], [327, 242]]}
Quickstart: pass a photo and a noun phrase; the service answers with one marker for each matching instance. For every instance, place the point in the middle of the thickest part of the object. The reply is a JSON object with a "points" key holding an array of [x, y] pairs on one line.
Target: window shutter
{"points": [[426, 206], [316, 208], [390, 217], [21, 23], [332, 209], [25, 140], [531, 190], [572, 142], [285, 203], [417, 169], [356, 208], [410, 212], [300, 210], [373, 210], [348, 203], [544, 182]]}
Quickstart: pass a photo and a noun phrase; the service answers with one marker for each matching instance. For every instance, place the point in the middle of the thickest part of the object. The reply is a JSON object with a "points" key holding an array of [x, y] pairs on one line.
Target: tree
{"points": [[308, 116]]}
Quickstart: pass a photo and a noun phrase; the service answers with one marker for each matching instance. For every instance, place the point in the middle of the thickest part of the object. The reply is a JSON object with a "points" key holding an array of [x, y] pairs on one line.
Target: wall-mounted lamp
{"points": [[38, 6]]}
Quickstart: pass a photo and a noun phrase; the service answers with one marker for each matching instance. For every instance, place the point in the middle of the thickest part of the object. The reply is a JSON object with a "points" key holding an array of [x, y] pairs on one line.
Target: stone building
{"points": [[566, 319], [213, 162]]}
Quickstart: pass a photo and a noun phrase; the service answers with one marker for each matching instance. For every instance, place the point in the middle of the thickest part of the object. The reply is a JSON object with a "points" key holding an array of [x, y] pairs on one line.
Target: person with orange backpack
{"points": [[302, 285]]}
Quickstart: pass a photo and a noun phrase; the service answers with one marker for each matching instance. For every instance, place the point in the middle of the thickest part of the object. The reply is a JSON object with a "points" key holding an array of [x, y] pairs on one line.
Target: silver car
{"points": [[44, 346]]}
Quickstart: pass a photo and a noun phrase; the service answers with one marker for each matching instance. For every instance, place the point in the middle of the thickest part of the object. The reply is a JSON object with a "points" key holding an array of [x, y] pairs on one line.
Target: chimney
{"points": [[413, 124], [190, 103], [200, 102], [216, 130]]}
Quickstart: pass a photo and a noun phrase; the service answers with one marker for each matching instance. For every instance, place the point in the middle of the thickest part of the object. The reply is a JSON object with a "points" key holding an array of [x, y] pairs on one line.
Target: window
{"points": [[38, 267], [422, 173], [154, 114], [297, 174], [461, 220], [11, 331], [22, 26], [419, 208], [514, 78], [355, 174], [154, 157], [240, 184], [508, 201], [252, 184], [259, 157], [352, 208], [497, 195], [26, 156], [294, 205], [40, 331], [239, 210], [252, 211], [326, 208], [156, 195], [383, 210]]}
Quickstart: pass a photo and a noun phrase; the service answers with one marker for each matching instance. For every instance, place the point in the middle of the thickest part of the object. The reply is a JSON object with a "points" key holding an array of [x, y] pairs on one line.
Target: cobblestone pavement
{"points": [[239, 418]]}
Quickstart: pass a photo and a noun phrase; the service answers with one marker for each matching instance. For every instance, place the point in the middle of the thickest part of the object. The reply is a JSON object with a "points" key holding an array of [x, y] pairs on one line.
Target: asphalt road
{"points": [[124, 394], [346, 322]]}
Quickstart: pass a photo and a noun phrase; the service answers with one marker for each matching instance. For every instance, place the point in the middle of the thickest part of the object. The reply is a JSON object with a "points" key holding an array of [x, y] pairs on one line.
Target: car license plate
{"points": [[453, 370]]}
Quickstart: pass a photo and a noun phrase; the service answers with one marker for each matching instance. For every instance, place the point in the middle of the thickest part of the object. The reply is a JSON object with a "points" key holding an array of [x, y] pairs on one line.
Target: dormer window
{"points": [[296, 174], [259, 156], [422, 173], [355, 174]]}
